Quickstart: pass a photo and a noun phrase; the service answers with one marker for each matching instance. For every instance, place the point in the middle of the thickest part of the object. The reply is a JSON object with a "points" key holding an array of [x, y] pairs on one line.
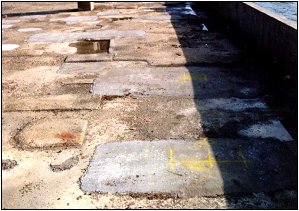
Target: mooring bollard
{"points": [[87, 5]]}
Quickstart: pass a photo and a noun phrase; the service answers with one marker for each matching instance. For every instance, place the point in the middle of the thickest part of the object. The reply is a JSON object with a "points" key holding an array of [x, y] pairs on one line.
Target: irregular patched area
{"points": [[50, 133]]}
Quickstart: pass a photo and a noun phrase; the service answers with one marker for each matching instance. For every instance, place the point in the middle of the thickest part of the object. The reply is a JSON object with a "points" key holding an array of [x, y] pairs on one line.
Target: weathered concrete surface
{"points": [[69, 37], [177, 167], [34, 89], [51, 133], [190, 82]]}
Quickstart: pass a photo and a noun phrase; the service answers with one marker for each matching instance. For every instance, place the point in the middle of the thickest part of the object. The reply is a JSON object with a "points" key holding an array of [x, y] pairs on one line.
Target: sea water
{"points": [[286, 9]]}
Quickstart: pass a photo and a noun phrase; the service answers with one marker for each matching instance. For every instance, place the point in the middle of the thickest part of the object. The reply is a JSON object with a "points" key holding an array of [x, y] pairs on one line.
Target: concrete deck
{"points": [[121, 129]]}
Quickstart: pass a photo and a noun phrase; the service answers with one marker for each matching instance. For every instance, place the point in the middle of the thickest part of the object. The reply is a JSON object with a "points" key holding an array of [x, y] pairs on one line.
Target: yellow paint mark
{"points": [[210, 159], [193, 77], [196, 164], [193, 164], [199, 165], [240, 153], [171, 160]]}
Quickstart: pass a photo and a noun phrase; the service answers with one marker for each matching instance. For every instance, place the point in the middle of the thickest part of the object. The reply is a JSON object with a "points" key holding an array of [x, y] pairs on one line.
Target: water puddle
{"points": [[91, 46]]}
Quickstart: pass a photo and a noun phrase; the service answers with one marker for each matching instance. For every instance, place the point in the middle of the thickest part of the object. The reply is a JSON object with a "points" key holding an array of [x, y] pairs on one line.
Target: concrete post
{"points": [[85, 5]]}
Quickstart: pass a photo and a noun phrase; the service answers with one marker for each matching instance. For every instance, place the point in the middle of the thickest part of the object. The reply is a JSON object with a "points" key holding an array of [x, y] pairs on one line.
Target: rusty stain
{"points": [[67, 136]]}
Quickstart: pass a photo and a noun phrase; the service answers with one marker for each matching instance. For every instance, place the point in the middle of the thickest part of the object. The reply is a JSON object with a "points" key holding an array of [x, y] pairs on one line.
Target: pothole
{"points": [[68, 164], [8, 164], [121, 19], [91, 46]]}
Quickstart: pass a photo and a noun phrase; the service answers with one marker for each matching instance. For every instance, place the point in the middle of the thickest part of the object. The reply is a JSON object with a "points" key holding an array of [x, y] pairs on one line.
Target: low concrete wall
{"points": [[274, 39], [272, 34]]}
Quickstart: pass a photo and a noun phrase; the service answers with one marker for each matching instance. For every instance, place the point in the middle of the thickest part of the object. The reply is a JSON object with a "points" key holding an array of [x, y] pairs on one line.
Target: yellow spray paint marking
{"points": [[193, 77], [210, 159], [240, 153], [196, 164], [171, 160]]}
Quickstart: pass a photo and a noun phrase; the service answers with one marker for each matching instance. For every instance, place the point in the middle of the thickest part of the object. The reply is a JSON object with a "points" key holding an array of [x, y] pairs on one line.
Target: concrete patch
{"points": [[108, 12], [6, 26], [161, 17], [76, 19], [26, 17], [74, 36], [9, 47], [29, 29], [231, 104], [10, 21], [89, 57], [191, 82], [272, 129], [49, 133], [97, 67], [177, 167], [52, 102]]}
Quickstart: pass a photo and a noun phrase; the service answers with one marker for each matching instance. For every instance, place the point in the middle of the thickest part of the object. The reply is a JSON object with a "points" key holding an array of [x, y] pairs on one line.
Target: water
{"points": [[286, 9]]}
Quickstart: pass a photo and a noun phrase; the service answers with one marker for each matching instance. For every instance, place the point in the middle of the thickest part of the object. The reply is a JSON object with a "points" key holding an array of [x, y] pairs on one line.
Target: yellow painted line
{"points": [[193, 77], [196, 164], [171, 160], [240, 153], [210, 159]]}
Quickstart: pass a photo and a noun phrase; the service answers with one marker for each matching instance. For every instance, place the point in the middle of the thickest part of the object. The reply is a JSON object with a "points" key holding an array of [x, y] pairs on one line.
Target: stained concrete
{"points": [[271, 129], [179, 167], [74, 36], [32, 91], [189, 82], [51, 133]]}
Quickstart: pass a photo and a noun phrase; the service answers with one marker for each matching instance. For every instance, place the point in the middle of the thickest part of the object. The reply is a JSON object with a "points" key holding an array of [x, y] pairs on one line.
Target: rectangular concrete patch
{"points": [[48, 102], [98, 67], [199, 168], [89, 57], [189, 82], [73, 36]]}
